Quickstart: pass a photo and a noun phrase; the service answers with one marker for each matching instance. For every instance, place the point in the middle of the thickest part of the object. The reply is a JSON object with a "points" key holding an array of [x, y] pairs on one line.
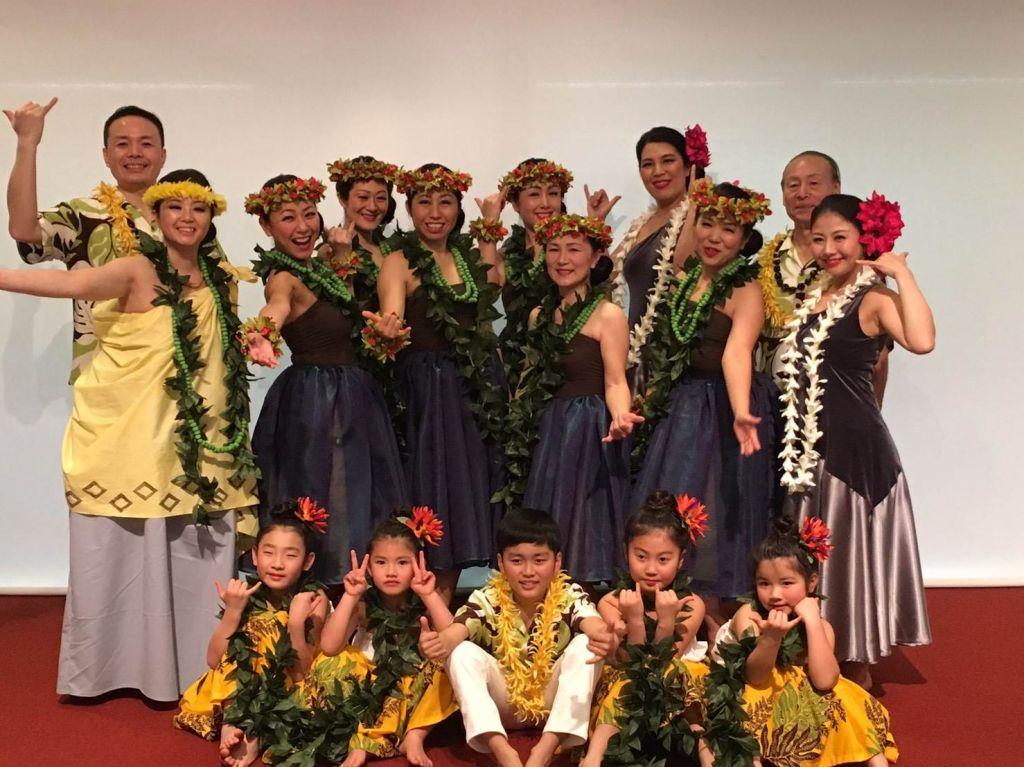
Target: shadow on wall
{"points": [[33, 378]]}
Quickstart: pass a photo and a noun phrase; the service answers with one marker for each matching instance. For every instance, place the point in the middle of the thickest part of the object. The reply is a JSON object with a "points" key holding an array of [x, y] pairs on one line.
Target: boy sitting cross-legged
{"points": [[535, 647]]}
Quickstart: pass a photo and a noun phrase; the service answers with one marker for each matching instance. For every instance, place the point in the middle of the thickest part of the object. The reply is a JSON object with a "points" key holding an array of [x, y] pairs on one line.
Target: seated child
{"points": [[370, 693], [656, 611], [534, 650], [802, 712], [251, 635]]}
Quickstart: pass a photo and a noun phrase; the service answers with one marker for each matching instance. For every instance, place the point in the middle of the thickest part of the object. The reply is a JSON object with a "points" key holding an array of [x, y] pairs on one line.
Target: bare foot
{"points": [[503, 753], [598, 745], [355, 758], [236, 750], [413, 750], [544, 751], [878, 760]]}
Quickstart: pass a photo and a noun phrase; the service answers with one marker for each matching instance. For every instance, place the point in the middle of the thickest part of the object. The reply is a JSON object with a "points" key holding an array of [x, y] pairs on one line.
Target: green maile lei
{"points": [[192, 438], [546, 344], [526, 287], [474, 348], [677, 332]]}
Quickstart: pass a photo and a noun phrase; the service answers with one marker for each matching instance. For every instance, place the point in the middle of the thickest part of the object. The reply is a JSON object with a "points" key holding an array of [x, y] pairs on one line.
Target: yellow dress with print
{"points": [[422, 700], [202, 704]]}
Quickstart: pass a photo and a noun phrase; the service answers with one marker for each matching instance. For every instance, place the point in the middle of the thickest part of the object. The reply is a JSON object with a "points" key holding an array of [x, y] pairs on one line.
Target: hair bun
{"points": [[661, 501]]}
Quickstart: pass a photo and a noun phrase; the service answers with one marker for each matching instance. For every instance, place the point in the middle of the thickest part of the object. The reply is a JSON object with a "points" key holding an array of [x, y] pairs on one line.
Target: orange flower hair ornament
{"points": [[692, 516], [814, 539], [427, 528], [312, 515]]}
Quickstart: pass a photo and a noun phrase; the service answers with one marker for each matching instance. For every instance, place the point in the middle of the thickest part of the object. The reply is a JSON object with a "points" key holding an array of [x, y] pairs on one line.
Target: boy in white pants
{"points": [[536, 643]]}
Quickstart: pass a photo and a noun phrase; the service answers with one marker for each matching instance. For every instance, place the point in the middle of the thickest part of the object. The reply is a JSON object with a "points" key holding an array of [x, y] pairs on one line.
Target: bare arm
{"points": [[906, 315], [112, 280], [687, 242], [822, 666], [22, 200], [614, 348], [340, 626], [392, 284], [278, 293], [453, 636], [228, 625], [747, 321], [305, 606], [493, 258], [686, 629]]}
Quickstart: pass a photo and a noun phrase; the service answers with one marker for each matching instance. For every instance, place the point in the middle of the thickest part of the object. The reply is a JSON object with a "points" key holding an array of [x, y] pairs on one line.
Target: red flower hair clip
{"points": [[697, 151], [692, 516], [424, 525], [882, 224], [312, 514], [814, 538]]}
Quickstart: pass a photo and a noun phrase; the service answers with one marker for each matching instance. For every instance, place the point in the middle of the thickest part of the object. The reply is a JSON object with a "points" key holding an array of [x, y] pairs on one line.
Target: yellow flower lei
{"points": [[166, 190], [527, 677], [766, 277], [110, 197]]}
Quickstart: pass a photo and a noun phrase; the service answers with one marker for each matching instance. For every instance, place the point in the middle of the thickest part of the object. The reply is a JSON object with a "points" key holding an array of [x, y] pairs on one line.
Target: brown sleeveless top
{"points": [[706, 358], [427, 334], [322, 335], [583, 368]]}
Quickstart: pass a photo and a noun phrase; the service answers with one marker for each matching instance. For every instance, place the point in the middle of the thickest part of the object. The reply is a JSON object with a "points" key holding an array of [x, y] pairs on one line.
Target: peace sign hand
{"points": [[236, 596], [340, 238], [492, 205], [28, 119], [355, 579], [598, 204], [387, 326], [424, 582], [622, 426]]}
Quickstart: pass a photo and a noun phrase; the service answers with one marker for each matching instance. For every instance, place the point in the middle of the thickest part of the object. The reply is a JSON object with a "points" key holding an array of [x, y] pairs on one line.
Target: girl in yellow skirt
{"points": [[658, 684], [370, 665], [802, 712], [266, 639]]}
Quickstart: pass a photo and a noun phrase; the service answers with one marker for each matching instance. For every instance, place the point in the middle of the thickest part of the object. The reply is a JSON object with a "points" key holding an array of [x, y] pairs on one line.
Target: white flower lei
{"points": [[800, 460], [664, 270]]}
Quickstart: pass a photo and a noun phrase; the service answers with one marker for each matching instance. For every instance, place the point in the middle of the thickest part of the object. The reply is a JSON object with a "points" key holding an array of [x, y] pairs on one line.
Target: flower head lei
{"points": [[697, 151], [311, 514], [536, 173], [180, 190], [814, 539], [692, 516], [273, 196], [881, 222], [438, 179], [707, 198], [428, 529], [588, 226], [361, 169]]}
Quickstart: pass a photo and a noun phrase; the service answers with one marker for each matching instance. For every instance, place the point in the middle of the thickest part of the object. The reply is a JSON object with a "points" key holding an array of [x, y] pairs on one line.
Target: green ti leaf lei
{"points": [[474, 348], [526, 287], [725, 734], [192, 438], [546, 344], [677, 332]]}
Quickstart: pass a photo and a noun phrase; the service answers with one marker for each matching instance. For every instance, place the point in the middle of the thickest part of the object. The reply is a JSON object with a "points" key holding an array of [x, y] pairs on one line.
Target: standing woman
{"points": [[437, 295], [839, 461], [324, 430], [566, 449], [708, 414], [157, 468], [656, 243]]}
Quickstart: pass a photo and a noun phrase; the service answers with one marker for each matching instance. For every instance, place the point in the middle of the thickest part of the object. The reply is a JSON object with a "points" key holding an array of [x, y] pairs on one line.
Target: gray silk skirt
{"points": [[872, 580], [141, 603]]}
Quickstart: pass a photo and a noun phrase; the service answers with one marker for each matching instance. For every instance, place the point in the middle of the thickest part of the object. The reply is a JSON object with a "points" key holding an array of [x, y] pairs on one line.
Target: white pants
{"points": [[483, 696]]}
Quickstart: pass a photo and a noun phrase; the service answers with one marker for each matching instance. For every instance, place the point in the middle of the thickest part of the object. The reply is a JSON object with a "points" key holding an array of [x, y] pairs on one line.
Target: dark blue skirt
{"points": [[448, 466], [583, 483], [693, 450], [324, 432]]}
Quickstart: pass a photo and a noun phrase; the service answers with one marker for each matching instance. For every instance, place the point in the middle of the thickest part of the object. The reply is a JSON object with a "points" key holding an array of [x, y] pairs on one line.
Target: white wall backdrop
{"points": [[921, 101]]}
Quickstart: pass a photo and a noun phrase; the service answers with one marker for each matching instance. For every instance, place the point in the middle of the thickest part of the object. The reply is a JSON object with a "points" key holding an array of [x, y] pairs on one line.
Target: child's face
{"points": [[391, 566], [781, 585], [529, 569], [653, 559], [281, 558]]}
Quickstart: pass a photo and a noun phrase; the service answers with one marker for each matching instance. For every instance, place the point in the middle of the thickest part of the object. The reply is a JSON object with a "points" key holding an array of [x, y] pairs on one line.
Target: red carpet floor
{"points": [[957, 702]]}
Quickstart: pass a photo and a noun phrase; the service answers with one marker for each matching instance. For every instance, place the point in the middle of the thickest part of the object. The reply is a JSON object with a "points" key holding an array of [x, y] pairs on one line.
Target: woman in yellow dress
{"points": [[144, 457], [265, 641], [801, 711], [658, 617], [370, 665]]}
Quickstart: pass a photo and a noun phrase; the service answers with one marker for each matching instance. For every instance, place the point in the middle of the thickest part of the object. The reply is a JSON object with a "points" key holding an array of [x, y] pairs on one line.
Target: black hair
{"points": [[665, 135], [524, 165], [458, 195], [754, 240], [846, 206], [528, 526], [658, 513], [284, 178], [196, 177], [783, 542], [132, 111], [833, 166], [343, 186], [282, 517], [392, 528], [602, 270]]}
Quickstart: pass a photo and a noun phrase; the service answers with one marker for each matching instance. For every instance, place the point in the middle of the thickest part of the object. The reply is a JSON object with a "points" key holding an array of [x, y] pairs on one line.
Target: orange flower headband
{"points": [[814, 539], [692, 516], [425, 525], [312, 515], [745, 211], [363, 170], [589, 227], [412, 182], [537, 173], [274, 196]]}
